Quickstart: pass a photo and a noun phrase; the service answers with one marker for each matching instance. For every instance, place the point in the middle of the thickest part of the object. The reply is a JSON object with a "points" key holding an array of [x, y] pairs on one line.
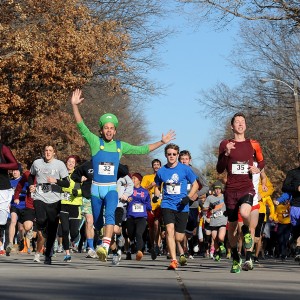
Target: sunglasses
{"points": [[172, 154]]}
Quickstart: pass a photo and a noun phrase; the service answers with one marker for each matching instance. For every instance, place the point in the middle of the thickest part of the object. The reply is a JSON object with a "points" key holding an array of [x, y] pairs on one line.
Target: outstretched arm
{"points": [[165, 139], [75, 101]]}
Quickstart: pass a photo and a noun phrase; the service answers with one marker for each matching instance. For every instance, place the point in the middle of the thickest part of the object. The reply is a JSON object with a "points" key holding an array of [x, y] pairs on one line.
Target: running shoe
{"points": [[128, 256], [9, 247], [255, 259], [211, 255], [60, 249], [48, 260], [139, 255], [91, 254], [228, 256], [222, 249], [247, 241], [37, 258], [102, 253], [217, 257], [153, 254], [168, 256], [182, 260], [173, 265], [236, 266], [67, 258], [119, 254], [115, 260], [248, 265], [2, 252], [28, 251], [297, 253]]}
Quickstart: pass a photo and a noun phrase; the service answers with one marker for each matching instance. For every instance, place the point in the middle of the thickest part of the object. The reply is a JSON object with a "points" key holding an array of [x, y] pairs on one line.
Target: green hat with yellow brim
{"points": [[108, 118]]}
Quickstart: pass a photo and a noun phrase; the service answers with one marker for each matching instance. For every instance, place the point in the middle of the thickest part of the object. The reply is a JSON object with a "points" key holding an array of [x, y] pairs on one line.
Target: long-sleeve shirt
{"points": [[238, 162], [7, 162], [139, 204]]}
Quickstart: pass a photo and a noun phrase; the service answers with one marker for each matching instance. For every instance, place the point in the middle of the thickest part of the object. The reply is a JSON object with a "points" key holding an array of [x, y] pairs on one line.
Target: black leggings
{"points": [[69, 224], [135, 230]]}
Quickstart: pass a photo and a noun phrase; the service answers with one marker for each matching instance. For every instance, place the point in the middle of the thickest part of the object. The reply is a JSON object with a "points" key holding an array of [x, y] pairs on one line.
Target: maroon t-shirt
{"points": [[236, 164]]}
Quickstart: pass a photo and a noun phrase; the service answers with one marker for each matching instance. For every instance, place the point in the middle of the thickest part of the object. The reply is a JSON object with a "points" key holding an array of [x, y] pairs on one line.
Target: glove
{"points": [[155, 199], [211, 206], [185, 200], [74, 192]]}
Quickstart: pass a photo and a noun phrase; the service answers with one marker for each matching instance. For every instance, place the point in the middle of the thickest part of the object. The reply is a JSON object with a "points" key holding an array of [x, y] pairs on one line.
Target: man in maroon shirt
{"points": [[236, 156], [7, 162]]}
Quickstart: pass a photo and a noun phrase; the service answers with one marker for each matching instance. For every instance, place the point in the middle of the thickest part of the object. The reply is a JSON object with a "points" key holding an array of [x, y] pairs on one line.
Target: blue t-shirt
{"points": [[22, 204], [175, 181]]}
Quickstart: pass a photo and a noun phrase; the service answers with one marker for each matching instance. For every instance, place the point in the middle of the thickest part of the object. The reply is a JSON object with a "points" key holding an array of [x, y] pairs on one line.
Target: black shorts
{"points": [[216, 228], [119, 216], [179, 219], [192, 220], [26, 214]]}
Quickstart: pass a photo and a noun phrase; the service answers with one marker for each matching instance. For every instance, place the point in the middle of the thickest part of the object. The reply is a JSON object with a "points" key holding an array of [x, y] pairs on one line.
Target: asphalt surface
{"points": [[202, 278]]}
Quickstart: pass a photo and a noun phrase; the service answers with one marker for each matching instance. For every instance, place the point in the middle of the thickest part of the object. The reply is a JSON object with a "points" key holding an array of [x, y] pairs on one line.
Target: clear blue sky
{"points": [[193, 60]]}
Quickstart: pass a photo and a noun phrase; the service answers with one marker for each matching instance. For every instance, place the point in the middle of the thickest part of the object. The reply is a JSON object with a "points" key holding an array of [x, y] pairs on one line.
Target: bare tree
{"points": [[286, 13]]}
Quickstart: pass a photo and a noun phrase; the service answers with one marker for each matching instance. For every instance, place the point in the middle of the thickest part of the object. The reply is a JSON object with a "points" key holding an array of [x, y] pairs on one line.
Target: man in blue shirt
{"points": [[175, 177]]}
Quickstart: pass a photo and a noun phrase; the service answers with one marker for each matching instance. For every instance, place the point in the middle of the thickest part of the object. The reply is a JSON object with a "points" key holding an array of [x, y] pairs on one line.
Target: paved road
{"points": [[202, 278]]}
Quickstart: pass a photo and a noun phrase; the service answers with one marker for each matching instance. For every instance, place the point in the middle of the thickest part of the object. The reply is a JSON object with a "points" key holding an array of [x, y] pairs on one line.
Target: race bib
{"points": [[173, 189], [218, 214], [239, 168], [44, 188], [138, 208], [106, 169], [66, 196]]}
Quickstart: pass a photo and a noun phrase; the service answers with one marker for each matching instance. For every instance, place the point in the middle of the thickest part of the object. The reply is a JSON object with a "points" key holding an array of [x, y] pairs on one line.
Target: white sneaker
{"points": [[115, 260], [119, 254], [91, 254], [60, 249], [37, 258]]}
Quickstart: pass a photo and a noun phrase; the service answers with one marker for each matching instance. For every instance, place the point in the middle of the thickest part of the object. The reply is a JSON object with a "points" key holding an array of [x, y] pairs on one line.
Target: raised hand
{"points": [[76, 97], [171, 135]]}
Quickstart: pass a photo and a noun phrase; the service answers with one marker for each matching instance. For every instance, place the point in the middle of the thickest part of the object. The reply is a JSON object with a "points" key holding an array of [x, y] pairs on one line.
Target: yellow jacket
{"points": [[282, 214], [263, 209]]}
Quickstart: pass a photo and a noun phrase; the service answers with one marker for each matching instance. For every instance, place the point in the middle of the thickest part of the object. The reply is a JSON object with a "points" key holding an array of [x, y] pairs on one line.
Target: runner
{"points": [[186, 248], [125, 190], [29, 212], [215, 204], [138, 205], [237, 156], [106, 154], [16, 212], [175, 177], [154, 217], [84, 175], [7, 162], [51, 174], [291, 185], [70, 214]]}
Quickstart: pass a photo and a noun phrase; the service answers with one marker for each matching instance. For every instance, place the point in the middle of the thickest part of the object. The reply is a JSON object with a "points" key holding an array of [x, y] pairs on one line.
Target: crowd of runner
{"points": [[107, 211]]}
